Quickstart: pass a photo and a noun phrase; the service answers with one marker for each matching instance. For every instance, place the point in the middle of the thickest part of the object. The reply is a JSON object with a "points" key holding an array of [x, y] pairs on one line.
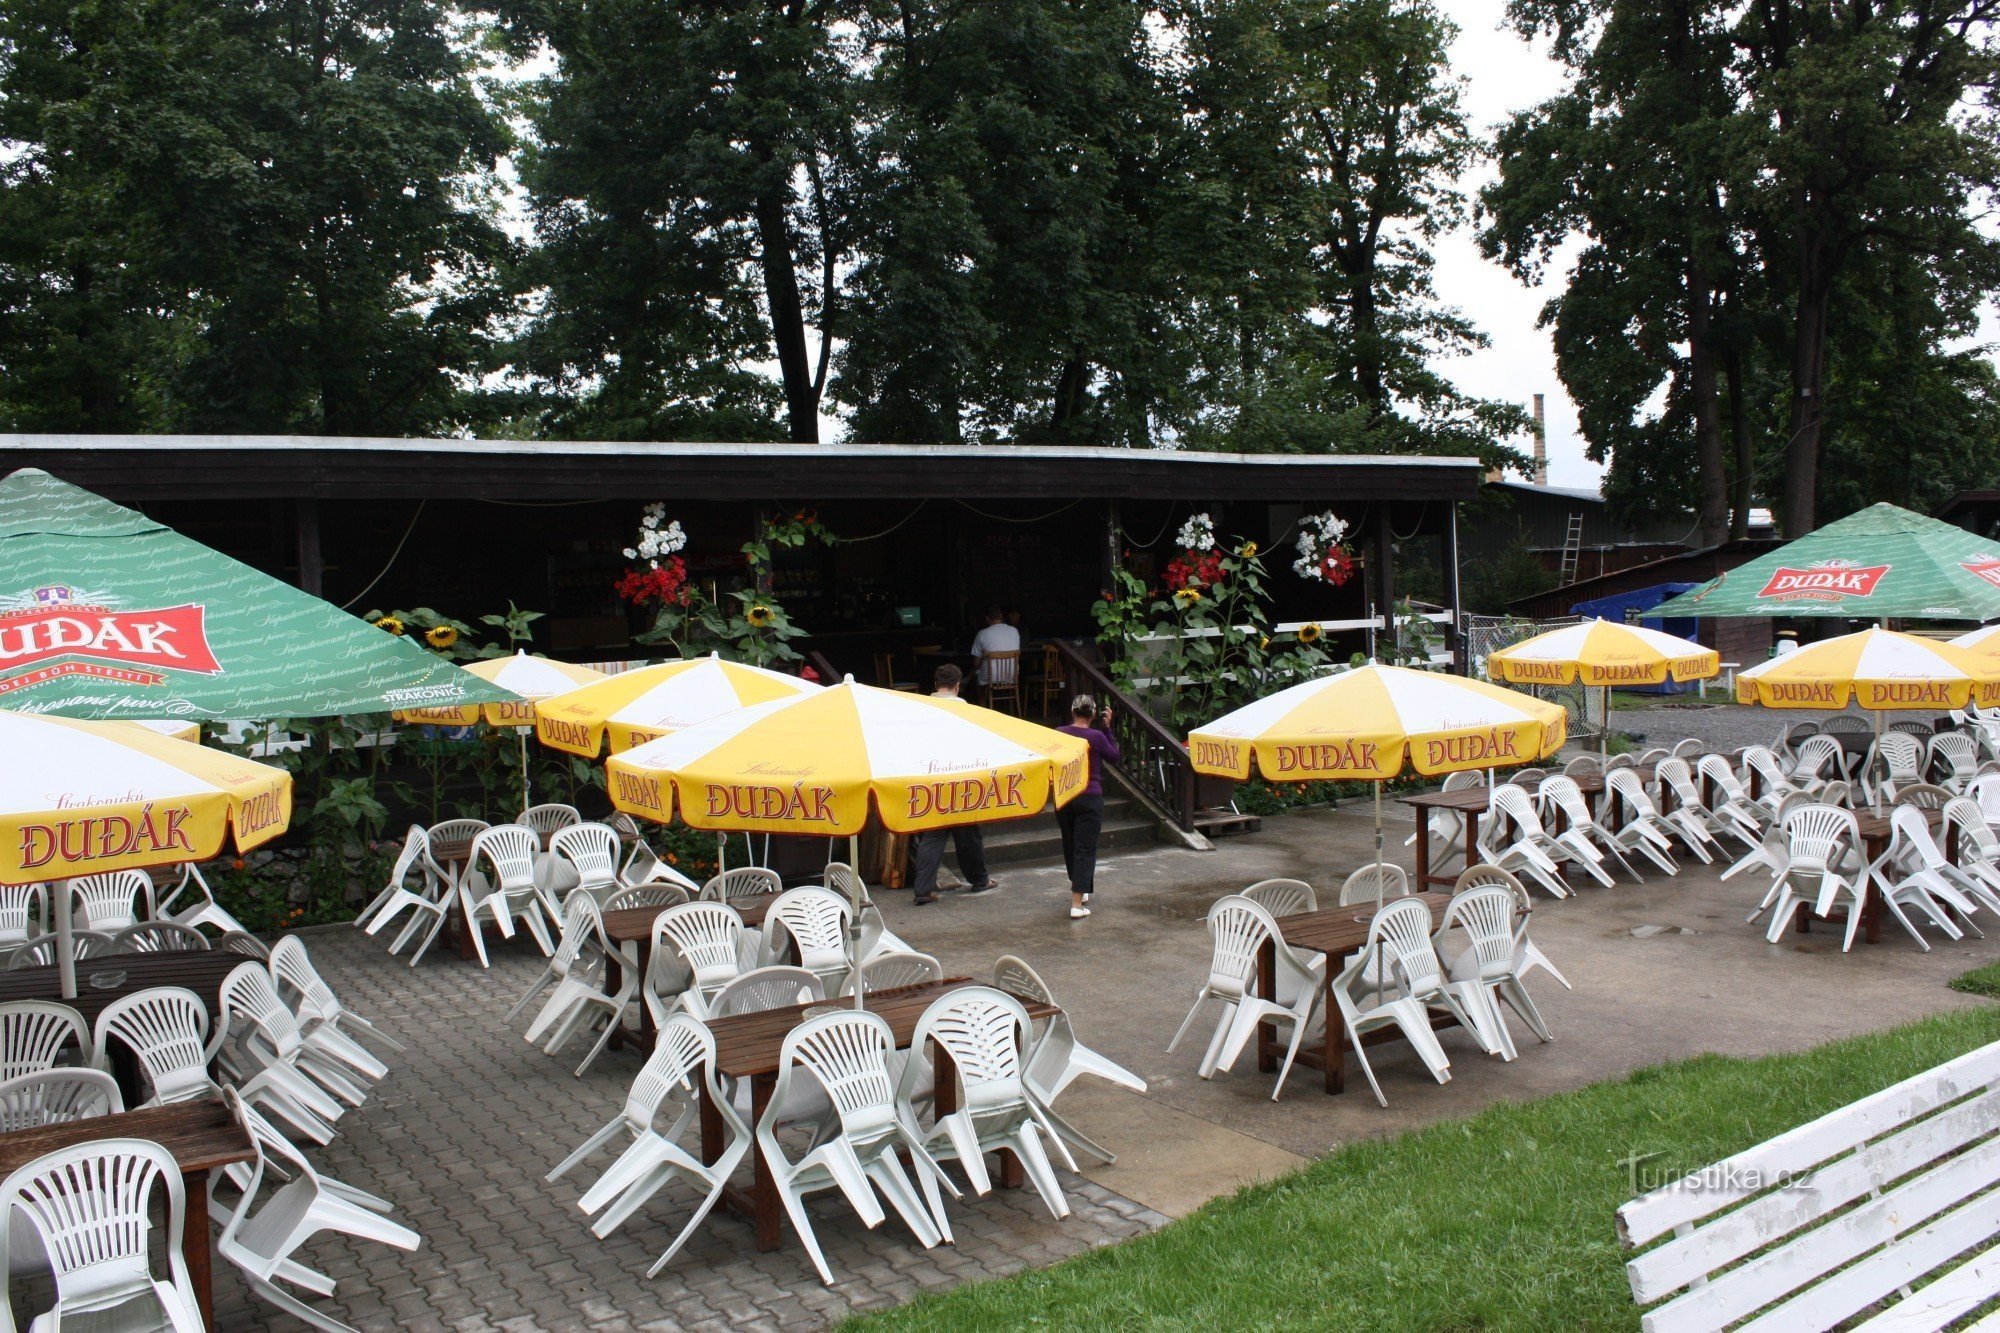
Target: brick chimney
{"points": [[1541, 444]]}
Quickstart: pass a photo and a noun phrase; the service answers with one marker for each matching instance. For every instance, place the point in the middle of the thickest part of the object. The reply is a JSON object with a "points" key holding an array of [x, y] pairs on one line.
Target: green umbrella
{"points": [[1879, 563], [107, 613]]}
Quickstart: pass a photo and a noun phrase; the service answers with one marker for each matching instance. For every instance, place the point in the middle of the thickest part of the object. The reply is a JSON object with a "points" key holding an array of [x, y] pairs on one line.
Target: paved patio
{"points": [[471, 1118]]}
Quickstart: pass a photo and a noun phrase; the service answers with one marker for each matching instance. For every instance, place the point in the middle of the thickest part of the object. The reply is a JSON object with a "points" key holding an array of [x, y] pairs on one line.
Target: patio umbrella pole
{"points": [[1378, 844], [65, 906], [1604, 729], [521, 733], [854, 917]]}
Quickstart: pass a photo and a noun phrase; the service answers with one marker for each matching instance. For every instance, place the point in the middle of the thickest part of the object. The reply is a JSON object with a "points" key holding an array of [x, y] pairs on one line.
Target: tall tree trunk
{"points": [[788, 320], [1071, 389], [1367, 335], [1739, 432], [1809, 330], [1710, 468]]}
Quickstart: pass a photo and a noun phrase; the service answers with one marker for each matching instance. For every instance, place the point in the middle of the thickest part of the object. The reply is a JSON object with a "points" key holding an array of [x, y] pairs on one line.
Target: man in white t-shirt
{"points": [[997, 637]]}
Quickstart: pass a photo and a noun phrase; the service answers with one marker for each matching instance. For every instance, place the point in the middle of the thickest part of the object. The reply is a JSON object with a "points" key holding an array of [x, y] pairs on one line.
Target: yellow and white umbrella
{"points": [[533, 678], [644, 705], [1879, 669], [78, 798], [1369, 723], [1604, 653], [1985, 641], [173, 728], [813, 763]]}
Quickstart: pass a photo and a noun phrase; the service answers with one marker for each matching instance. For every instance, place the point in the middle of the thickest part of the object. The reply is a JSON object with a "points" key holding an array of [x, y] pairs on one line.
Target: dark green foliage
{"points": [[244, 217]]}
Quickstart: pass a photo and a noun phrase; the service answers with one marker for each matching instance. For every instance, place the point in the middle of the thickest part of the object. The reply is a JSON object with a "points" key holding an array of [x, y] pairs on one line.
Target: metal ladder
{"points": [[1572, 547]]}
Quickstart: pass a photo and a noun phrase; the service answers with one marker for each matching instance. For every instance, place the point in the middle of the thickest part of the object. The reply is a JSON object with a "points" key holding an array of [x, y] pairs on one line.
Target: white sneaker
{"points": [[1078, 913]]}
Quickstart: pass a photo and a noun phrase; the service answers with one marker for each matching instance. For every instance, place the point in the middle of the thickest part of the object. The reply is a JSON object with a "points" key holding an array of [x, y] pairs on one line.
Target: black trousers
{"points": [[1081, 821], [927, 854]]}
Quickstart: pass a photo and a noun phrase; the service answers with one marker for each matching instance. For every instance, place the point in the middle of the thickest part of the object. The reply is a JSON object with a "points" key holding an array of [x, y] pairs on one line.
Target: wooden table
{"points": [[634, 926], [1470, 803], [1336, 932], [201, 1135], [747, 1046]]}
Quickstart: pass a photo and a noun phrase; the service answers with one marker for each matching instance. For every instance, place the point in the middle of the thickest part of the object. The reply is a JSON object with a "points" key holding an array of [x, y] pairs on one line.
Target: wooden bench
{"points": [[1836, 1220]]}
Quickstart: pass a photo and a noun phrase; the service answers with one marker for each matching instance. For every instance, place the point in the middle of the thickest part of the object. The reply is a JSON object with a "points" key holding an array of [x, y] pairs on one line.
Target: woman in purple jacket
{"points": [[1083, 818]]}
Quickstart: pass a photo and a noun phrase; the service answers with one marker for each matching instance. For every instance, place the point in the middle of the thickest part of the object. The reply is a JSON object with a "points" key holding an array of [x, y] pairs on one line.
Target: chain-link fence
{"points": [[1486, 634]]}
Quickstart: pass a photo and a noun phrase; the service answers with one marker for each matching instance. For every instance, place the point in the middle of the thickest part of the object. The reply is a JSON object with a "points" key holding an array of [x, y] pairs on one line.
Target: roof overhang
{"points": [[182, 467]]}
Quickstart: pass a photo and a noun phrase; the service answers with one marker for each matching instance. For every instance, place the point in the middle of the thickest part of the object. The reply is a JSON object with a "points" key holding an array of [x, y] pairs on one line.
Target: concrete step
{"points": [[1021, 841]]}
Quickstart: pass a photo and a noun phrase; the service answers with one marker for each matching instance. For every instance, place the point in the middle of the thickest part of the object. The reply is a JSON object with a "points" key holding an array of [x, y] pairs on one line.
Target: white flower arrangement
{"points": [[1197, 534], [655, 541], [1319, 536]]}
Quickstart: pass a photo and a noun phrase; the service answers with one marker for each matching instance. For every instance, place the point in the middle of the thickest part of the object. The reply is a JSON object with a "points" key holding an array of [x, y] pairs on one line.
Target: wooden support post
{"points": [[1113, 544], [1455, 630], [311, 570], [1385, 583]]}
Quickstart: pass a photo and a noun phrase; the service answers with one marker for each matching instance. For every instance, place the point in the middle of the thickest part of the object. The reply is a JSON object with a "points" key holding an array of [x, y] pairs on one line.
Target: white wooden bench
{"points": [[1837, 1217]]}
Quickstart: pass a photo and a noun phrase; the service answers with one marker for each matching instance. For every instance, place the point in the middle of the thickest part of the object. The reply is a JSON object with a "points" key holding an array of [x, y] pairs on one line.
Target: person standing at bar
{"points": [[927, 848], [1083, 818]]}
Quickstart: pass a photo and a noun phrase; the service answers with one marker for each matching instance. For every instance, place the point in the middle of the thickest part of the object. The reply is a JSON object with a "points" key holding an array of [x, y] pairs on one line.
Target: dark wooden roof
{"points": [[178, 467]]}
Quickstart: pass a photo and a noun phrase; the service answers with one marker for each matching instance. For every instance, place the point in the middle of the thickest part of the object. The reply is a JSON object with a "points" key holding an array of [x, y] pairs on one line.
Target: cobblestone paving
{"points": [[471, 1118]]}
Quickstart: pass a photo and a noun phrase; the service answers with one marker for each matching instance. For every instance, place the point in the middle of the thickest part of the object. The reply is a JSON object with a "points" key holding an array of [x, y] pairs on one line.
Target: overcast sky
{"points": [[1505, 74]]}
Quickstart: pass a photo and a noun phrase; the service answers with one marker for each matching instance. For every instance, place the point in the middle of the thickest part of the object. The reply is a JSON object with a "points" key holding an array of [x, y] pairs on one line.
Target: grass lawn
{"points": [[1503, 1221]]}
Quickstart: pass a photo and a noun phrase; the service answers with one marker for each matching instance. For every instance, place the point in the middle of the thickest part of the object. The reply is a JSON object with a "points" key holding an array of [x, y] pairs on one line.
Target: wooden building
{"points": [[1738, 639], [929, 535]]}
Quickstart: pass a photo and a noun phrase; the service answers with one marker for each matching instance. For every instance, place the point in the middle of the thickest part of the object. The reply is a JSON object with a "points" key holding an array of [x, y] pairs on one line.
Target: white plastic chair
{"points": [[166, 1029], [1818, 761], [644, 866], [1365, 885], [765, 988], [984, 1031], [1642, 829], [1528, 955], [591, 851], [268, 1036], [1532, 851], [330, 1027], [1689, 817], [657, 894], [696, 951], [1688, 748], [1449, 825], [159, 937], [1909, 874], [261, 1238], [448, 832], [23, 913], [1057, 1058], [576, 970], [1894, 759], [683, 1059], [848, 1053], [1584, 765], [1978, 848], [1392, 933], [1815, 867], [816, 920], [427, 901], [1486, 914], [888, 971], [1773, 780], [1732, 806], [192, 903], [1773, 853], [91, 1208], [1289, 897], [742, 882], [40, 951], [1239, 929], [113, 900], [34, 1034], [547, 820], [508, 850], [56, 1097], [1588, 840]]}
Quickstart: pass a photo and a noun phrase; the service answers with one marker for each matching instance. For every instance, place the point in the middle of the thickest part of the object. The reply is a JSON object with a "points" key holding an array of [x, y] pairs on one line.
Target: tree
{"points": [[1336, 160], [1729, 168], [689, 144], [258, 217]]}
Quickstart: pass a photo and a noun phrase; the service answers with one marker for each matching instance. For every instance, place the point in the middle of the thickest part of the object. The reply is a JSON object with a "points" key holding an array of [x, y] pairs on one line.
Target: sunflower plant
{"points": [[745, 624], [448, 638]]}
